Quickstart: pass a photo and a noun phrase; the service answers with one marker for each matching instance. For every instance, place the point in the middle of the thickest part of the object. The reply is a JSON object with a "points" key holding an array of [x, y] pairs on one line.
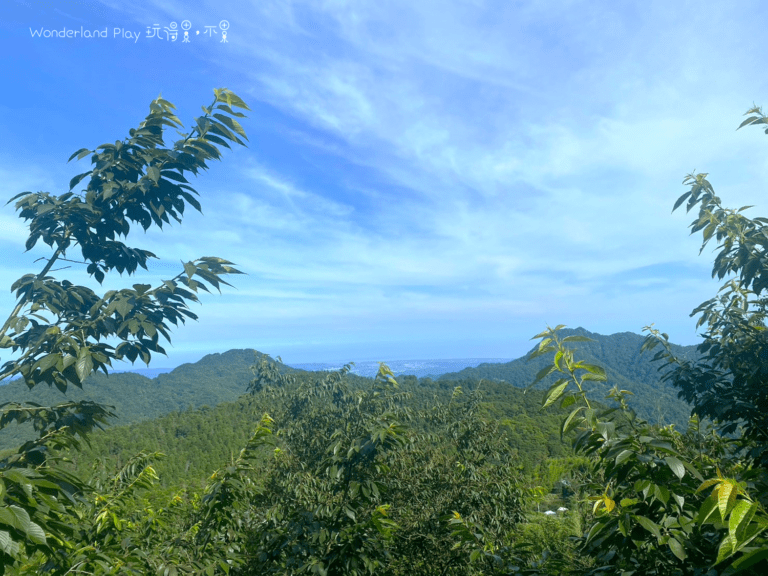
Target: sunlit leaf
{"points": [[555, 392], [675, 465], [726, 497], [740, 517], [84, 365]]}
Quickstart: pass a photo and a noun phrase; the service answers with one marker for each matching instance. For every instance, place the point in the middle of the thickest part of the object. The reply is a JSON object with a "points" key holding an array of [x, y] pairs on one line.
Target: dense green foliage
{"points": [[655, 399], [198, 441], [219, 378], [653, 515], [215, 379], [58, 329], [346, 475]]}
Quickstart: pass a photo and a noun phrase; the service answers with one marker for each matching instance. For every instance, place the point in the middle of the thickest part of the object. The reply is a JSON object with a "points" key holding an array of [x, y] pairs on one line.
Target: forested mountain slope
{"points": [[199, 441], [214, 379], [625, 367], [218, 378]]}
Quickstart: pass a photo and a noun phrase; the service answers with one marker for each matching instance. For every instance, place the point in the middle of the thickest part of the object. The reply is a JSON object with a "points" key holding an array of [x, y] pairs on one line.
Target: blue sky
{"points": [[423, 179]]}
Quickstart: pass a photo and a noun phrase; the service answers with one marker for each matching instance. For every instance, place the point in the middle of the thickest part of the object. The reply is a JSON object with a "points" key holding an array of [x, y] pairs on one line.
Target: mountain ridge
{"points": [[223, 377], [625, 365]]}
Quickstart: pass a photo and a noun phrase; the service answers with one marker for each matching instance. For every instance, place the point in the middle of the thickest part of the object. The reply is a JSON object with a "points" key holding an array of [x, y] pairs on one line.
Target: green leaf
{"points": [[15, 517], [191, 199], [233, 99], [123, 307], [707, 483], [190, 269], [595, 377], [707, 508], [726, 497], [539, 352], [661, 493], [568, 400], [622, 457], [571, 422], [727, 548], [204, 149], [203, 124], [680, 200], [173, 175], [149, 328], [76, 180], [753, 530], [740, 517], [695, 473], [595, 530], [558, 358], [65, 362], [594, 369], [624, 526], [555, 391], [641, 485], [84, 365], [709, 230], [36, 534], [750, 559], [662, 445], [232, 124], [649, 525], [606, 429], [153, 173], [8, 545], [676, 466], [750, 120], [46, 362], [677, 548], [217, 140], [590, 418], [142, 289], [82, 152]]}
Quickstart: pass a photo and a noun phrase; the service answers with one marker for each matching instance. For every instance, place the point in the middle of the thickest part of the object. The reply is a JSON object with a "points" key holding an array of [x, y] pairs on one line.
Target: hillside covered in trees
{"points": [[218, 378], [198, 441], [626, 366], [214, 379]]}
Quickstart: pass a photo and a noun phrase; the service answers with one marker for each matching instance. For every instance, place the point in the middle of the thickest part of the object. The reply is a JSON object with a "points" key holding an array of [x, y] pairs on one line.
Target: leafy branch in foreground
{"points": [[137, 180], [652, 516], [58, 329]]}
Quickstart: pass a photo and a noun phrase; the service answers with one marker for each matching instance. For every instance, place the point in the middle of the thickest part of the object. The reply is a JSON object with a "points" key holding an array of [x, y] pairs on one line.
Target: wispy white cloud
{"points": [[498, 164]]}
